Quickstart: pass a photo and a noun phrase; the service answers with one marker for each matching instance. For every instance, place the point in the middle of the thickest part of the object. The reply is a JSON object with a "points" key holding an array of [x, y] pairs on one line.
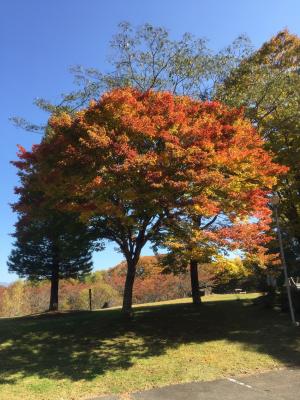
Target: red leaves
{"points": [[138, 148]]}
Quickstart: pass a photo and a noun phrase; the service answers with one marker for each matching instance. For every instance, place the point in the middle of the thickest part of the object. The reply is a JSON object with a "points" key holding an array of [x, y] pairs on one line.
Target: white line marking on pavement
{"points": [[239, 383]]}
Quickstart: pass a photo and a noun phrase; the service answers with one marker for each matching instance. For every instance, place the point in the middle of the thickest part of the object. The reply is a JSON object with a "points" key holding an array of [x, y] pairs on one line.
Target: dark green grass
{"points": [[67, 356]]}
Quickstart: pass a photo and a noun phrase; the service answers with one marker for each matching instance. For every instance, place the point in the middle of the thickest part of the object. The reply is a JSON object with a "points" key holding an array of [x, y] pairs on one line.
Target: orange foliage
{"points": [[156, 143], [133, 160]]}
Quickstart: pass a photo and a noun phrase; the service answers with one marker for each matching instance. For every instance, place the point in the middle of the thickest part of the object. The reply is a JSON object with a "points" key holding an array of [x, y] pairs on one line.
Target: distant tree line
{"points": [[154, 282]]}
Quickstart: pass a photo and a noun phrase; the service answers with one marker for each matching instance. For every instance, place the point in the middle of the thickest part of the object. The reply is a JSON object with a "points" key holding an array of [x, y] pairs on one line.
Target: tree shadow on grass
{"points": [[85, 345]]}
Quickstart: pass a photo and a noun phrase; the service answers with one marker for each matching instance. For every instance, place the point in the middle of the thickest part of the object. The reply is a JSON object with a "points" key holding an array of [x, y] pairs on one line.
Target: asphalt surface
{"points": [[276, 385]]}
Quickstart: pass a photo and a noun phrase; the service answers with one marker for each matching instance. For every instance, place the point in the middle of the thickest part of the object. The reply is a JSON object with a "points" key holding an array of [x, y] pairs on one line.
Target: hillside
{"points": [[71, 355]]}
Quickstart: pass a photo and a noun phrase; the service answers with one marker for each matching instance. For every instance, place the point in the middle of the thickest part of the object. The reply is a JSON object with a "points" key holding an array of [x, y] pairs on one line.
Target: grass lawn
{"points": [[84, 354]]}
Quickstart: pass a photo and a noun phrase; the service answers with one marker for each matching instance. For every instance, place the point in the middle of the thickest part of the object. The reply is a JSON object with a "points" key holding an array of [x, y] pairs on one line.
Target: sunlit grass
{"points": [[77, 355]]}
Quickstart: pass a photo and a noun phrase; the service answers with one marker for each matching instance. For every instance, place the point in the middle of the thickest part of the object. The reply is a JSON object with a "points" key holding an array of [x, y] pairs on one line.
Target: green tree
{"points": [[267, 84], [146, 57], [55, 247]]}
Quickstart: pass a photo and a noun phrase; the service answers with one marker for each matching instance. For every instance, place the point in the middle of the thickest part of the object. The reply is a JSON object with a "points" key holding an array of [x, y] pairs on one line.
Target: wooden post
{"points": [[90, 299]]}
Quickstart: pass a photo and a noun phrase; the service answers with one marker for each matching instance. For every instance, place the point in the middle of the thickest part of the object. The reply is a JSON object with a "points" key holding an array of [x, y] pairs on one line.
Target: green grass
{"points": [[80, 355]]}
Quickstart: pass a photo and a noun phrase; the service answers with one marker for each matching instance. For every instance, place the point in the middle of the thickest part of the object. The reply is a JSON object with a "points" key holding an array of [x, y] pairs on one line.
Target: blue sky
{"points": [[40, 40]]}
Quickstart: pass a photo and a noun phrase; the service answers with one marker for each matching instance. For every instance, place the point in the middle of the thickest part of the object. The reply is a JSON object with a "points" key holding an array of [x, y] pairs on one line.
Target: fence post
{"points": [[90, 299]]}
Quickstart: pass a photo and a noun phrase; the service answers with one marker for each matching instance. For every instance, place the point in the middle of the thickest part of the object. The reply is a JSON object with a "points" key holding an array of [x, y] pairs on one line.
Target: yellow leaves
{"points": [[62, 120], [97, 137], [206, 208], [227, 269]]}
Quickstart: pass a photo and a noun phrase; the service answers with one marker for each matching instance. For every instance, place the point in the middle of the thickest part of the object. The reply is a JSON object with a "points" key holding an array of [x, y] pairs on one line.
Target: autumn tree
{"points": [[152, 282], [132, 161], [195, 239], [267, 84], [188, 246]]}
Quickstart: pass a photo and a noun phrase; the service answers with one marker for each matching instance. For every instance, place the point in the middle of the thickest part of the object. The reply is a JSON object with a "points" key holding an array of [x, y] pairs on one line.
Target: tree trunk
{"points": [[195, 282], [127, 298], [53, 306]]}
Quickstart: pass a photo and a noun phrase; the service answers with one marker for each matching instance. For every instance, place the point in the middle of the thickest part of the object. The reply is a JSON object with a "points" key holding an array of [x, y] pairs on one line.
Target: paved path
{"points": [[276, 385]]}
